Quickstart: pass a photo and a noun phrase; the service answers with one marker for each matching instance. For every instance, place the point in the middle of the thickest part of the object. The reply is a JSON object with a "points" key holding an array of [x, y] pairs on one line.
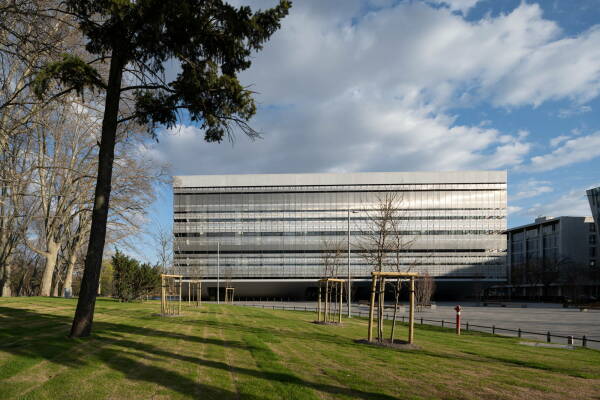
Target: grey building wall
{"points": [[273, 227], [573, 239], [594, 199]]}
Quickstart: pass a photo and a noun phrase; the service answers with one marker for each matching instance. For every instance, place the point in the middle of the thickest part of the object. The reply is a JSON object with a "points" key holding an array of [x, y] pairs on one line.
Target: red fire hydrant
{"points": [[457, 309]]}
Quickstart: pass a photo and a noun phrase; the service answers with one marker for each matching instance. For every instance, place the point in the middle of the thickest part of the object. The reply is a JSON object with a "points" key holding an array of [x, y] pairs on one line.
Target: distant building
{"points": [[570, 238], [551, 254], [594, 199], [267, 232]]}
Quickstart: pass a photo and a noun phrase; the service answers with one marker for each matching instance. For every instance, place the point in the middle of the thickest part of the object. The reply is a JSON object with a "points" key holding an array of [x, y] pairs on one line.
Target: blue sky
{"points": [[378, 85]]}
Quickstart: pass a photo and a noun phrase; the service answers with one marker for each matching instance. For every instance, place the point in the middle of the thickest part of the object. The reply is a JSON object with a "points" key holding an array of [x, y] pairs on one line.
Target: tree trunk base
{"points": [[397, 344], [328, 323]]}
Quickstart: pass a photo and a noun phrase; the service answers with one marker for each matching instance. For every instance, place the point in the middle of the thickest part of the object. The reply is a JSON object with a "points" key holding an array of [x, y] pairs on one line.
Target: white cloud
{"points": [[458, 5], [579, 149], [514, 209], [575, 110], [558, 140], [576, 131], [557, 69], [415, 51], [344, 89], [574, 204], [346, 136], [531, 188], [411, 51]]}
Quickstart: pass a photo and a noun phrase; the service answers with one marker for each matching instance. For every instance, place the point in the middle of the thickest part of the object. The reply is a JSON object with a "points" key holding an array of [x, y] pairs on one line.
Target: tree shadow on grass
{"points": [[111, 346], [485, 359], [314, 335]]}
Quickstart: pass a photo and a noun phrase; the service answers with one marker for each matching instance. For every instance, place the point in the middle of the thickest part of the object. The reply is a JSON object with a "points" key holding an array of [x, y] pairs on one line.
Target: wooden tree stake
{"points": [[411, 317], [372, 307]]}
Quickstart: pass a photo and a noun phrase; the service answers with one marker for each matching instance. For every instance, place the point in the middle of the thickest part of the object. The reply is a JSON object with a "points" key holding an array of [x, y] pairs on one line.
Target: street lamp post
{"points": [[218, 270], [349, 285]]}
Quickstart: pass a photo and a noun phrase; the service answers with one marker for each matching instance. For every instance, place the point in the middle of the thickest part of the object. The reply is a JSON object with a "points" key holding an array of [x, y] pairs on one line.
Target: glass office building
{"points": [[594, 199], [275, 228]]}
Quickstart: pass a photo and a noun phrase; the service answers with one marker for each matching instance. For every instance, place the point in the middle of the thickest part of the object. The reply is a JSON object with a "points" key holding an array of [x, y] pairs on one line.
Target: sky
{"points": [[382, 85]]}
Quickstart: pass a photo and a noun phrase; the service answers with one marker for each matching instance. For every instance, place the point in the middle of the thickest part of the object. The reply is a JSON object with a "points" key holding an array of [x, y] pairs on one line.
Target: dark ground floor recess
{"points": [[265, 290]]}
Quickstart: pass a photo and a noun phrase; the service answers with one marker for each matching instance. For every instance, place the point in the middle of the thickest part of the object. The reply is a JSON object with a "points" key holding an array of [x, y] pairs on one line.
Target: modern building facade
{"points": [[593, 196], [548, 257], [569, 238], [267, 233]]}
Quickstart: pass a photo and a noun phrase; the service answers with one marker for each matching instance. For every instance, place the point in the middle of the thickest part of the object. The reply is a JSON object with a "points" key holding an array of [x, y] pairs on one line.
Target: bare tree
{"points": [[14, 178], [63, 162], [575, 277], [400, 243], [376, 240], [162, 240], [26, 272], [541, 272], [551, 268], [424, 290], [73, 247], [331, 258], [32, 34], [380, 241], [134, 187]]}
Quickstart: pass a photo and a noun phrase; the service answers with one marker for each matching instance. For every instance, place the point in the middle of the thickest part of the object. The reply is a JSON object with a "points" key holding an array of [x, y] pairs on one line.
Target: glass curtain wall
{"points": [[455, 230]]}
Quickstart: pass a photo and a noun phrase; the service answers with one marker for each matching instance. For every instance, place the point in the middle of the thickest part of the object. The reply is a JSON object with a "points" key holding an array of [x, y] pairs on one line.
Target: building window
{"points": [[592, 227], [592, 252], [592, 239]]}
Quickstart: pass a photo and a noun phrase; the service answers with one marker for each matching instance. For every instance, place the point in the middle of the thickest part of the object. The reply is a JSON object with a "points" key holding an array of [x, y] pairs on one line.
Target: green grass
{"points": [[228, 352]]}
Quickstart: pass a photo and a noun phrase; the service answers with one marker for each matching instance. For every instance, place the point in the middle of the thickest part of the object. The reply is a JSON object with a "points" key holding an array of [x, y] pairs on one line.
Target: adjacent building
{"points": [[553, 258], [594, 199], [572, 239], [267, 233]]}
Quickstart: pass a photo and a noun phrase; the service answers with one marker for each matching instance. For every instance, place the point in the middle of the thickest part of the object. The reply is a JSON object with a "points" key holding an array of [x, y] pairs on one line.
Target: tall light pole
{"points": [[349, 300], [218, 270]]}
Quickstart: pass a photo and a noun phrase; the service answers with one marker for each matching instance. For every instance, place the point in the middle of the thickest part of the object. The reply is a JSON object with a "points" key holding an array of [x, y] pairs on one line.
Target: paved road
{"points": [[535, 318]]}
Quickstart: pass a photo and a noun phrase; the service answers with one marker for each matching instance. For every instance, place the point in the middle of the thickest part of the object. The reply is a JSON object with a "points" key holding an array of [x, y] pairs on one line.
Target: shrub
{"points": [[131, 279]]}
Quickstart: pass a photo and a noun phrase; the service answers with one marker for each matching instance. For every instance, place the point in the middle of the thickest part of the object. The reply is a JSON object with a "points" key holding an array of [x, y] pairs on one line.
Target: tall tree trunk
{"points": [[84, 315], [56, 285], [69, 277], [5, 290], [51, 256]]}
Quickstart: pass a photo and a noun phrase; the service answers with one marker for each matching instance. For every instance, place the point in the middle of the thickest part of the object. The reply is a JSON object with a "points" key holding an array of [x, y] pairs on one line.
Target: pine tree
{"points": [[210, 40]]}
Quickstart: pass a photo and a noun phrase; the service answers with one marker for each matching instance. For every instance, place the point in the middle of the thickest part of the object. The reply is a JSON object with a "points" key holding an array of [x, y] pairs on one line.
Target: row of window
{"points": [[424, 218], [547, 241], [311, 210], [532, 233], [477, 272], [334, 233], [320, 251], [258, 190], [355, 255], [223, 264], [353, 187]]}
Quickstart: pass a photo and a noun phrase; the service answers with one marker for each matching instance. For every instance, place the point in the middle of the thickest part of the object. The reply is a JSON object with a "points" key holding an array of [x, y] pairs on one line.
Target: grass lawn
{"points": [[228, 352]]}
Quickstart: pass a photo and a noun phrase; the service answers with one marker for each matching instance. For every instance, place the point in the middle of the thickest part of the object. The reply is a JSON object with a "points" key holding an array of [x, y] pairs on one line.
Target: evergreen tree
{"points": [[124, 271], [210, 40], [147, 280], [132, 280]]}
